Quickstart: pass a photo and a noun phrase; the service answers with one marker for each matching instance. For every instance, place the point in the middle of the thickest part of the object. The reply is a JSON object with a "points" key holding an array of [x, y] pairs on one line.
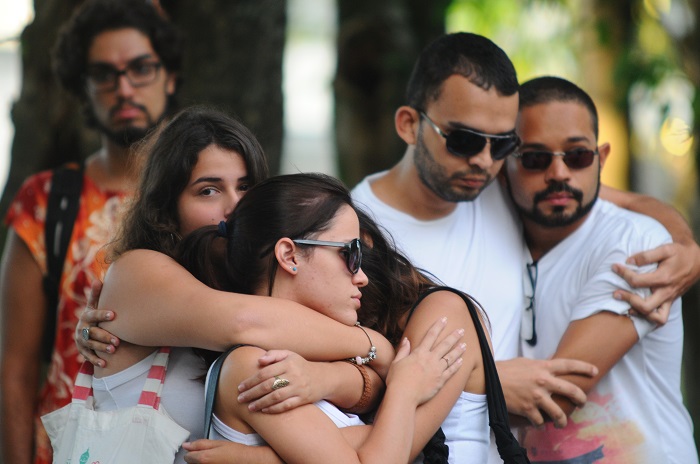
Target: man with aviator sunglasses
{"points": [[572, 240], [443, 214]]}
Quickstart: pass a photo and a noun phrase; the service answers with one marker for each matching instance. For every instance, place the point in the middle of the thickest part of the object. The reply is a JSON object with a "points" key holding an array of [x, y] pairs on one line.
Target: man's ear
{"points": [[406, 120], [170, 83], [286, 255], [603, 152]]}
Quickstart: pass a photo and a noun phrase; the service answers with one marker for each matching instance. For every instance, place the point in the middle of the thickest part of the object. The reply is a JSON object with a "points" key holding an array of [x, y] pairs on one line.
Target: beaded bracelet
{"points": [[364, 400], [371, 356]]}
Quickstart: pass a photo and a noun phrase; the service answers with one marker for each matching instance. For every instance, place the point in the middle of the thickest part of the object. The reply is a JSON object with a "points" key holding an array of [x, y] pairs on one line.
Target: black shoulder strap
{"points": [[508, 447], [61, 212], [212, 384]]}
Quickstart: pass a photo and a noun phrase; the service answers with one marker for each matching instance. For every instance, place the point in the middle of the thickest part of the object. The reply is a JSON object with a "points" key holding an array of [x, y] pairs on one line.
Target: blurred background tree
{"points": [[639, 59]]}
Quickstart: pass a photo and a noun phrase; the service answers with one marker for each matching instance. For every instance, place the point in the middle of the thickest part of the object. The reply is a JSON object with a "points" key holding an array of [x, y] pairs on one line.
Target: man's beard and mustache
{"points": [[558, 217], [129, 135], [434, 177]]}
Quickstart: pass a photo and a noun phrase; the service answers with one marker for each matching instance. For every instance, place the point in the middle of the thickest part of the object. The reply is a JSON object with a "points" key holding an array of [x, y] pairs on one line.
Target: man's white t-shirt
{"points": [[477, 249], [635, 414]]}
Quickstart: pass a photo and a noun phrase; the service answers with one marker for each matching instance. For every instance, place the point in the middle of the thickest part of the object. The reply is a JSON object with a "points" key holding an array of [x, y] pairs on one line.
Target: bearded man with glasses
{"points": [[634, 411], [448, 216], [121, 60]]}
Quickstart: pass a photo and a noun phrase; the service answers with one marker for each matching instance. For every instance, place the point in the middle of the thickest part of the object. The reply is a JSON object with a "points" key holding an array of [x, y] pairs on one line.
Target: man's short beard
{"points": [[433, 176], [128, 136], [125, 138], [557, 217]]}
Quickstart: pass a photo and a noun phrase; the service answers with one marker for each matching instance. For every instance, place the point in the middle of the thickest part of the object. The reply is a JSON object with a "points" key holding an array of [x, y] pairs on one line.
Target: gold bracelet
{"points": [[371, 355], [364, 400]]}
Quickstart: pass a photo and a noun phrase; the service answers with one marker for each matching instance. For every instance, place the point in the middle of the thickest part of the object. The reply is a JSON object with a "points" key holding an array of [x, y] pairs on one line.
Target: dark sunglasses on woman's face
{"points": [[352, 251], [466, 143], [539, 160]]}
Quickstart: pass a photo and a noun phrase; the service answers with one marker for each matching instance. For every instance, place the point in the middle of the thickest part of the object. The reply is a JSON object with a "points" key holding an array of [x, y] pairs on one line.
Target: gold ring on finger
{"points": [[279, 383]]}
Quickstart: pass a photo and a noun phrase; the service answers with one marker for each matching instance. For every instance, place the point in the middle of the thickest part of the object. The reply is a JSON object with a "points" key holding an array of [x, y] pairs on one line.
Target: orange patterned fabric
{"points": [[97, 219]]}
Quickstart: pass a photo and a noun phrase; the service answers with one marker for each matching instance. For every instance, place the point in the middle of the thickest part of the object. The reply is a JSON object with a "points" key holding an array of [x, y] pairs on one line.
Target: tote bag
{"points": [[141, 433]]}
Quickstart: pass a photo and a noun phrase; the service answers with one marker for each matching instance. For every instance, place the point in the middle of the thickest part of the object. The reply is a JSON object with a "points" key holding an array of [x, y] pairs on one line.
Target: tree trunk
{"points": [[233, 60], [378, 43]]}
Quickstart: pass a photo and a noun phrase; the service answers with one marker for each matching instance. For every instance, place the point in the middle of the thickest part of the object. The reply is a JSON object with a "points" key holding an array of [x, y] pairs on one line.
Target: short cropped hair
{"points": [[549, 89], [469, 55]]}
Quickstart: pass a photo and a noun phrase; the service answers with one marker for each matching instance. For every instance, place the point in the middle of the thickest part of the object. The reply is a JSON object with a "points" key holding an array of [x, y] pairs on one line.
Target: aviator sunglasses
{"points": [[466, 143], [577, 158], [352, 251]]}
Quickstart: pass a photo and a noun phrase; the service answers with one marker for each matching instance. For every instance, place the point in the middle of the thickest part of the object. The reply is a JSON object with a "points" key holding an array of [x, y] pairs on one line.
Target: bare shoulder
{"points": [[240, 364], [139, 268], [442, 303], [434, 306], [138, 259]]}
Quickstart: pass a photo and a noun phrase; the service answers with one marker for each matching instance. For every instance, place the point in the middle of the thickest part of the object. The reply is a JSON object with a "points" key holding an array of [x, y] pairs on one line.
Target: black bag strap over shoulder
{"points": [[508, 447], [212, 385], [61, 212]]}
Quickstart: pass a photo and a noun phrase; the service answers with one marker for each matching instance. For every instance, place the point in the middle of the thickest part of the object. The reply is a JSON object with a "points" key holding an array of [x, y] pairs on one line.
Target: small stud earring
{"points": [[293, 268]]}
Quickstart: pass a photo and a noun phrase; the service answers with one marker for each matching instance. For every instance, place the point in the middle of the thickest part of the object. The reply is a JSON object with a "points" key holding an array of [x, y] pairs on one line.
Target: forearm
{"points": [[227, 452], [157, 302], [667, 215], [602, 339], [17, 417], [346, 386], [23, 313], [393, 429]]}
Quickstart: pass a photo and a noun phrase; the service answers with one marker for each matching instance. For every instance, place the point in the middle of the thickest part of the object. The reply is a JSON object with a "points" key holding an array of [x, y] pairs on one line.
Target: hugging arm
{"points": [[225, 452], [679, 262], [601, 339], [353, 388], [158, 303], [531, 386], [306, 435]]}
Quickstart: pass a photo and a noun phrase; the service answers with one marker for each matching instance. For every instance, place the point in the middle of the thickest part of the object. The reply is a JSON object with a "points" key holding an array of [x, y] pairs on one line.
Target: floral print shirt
{"points": [[96, 221]]}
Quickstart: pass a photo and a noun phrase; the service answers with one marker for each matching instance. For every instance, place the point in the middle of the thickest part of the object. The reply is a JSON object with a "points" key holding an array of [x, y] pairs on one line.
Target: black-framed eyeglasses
{"points": [[527, 326], [539, 160], [466, 143], [352, 251], [105, 78]]}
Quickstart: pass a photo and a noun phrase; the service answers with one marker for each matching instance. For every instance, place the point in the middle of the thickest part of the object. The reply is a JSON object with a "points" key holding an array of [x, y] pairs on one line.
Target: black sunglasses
{"points": [[466, 143], [527, 326], [577, 158], [352, 251]]}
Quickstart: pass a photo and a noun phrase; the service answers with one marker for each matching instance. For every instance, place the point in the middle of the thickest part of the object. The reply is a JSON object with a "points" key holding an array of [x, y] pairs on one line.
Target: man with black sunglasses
{"points": [[572, 240], [446, 215], [121, 60]]}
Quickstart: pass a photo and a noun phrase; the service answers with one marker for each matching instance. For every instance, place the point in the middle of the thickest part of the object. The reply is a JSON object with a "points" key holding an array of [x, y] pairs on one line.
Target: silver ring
{"points": [[86, 333], [446, 361], [279, 383]]}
